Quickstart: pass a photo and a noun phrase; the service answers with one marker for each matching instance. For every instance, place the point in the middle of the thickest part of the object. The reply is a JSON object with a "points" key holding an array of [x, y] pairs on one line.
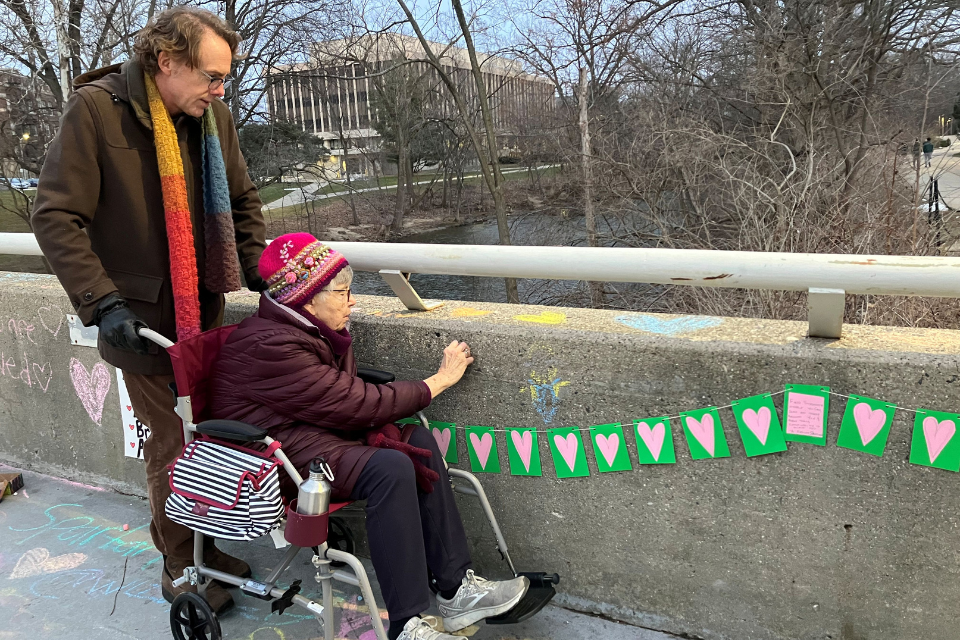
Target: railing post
{"points": [[825, 312]]}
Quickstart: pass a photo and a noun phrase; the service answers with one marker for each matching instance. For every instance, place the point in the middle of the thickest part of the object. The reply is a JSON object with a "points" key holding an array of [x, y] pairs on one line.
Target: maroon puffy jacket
{"points": [[276, 371]]}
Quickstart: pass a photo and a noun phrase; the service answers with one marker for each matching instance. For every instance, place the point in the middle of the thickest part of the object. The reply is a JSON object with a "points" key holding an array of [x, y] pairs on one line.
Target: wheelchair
{"points": [[191, 618]]}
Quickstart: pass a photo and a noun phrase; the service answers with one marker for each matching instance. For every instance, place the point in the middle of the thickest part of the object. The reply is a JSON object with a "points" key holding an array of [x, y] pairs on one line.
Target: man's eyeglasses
{"points": [[215, 82]]}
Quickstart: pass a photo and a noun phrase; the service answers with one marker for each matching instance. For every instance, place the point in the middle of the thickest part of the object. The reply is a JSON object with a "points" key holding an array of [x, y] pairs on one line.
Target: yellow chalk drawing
{"points": [[547, 317], [468, 312], [37, 562]]}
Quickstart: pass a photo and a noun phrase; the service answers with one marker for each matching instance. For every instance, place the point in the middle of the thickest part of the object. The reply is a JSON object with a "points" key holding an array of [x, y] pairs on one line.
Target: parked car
{"points": [[34, 182], [16, 183]]}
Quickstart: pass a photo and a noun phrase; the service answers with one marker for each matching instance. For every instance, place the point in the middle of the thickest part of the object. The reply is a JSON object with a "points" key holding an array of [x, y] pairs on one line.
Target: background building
{"points": [[334, 96]]}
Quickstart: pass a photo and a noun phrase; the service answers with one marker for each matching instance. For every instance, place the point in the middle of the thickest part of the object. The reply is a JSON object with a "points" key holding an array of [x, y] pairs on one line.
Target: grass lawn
{"points": [[10, 222], [277, 190]]}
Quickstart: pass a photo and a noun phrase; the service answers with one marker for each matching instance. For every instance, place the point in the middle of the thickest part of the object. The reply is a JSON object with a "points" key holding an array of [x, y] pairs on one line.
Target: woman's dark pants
{"points": [[408, 530]]}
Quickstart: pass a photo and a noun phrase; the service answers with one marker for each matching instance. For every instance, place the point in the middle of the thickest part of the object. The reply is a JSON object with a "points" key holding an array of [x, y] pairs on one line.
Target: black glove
{"points": [[118, 325], [255, 283]]}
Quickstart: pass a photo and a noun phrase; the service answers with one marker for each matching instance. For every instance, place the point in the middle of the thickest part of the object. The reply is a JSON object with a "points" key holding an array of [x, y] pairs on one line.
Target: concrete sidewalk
{"points": [[69, 570]]}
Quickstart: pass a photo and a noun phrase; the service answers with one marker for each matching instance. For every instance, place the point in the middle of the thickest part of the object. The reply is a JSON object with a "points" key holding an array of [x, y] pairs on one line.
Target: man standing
{"points": [[143, 208], [927, 152], [916, 153]]}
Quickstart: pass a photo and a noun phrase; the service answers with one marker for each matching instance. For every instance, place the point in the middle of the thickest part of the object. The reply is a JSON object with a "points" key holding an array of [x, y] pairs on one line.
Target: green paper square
{"points": [[948, 456], [521, 441], [715, 437], [648, 433], [612, 455], [447, 444], [862, 422], [482, 449], [411, 420], [807, 420], [560, 464], [759, 425]]}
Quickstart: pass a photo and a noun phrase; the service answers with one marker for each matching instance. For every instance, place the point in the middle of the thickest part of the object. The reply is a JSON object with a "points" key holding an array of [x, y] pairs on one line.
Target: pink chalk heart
{"points": [[442, 436], [609, 447], [869, 421], [523, 443], [653, 438], [702, 430], [758, 422], [482, 446], [938, 435], [91, 387], [568, 448]]}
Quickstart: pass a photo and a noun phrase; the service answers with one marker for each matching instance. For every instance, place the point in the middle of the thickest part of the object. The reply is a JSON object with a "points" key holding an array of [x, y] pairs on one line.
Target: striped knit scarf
{"points": [[221, 273]]}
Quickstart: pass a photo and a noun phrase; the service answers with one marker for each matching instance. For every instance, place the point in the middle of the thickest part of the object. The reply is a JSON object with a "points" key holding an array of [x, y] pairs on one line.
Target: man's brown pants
{"points": [[153, 404]]}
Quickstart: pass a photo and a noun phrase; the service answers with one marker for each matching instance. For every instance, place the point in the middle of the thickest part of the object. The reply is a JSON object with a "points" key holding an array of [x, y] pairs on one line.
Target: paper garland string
{"points": [[865, 427]]}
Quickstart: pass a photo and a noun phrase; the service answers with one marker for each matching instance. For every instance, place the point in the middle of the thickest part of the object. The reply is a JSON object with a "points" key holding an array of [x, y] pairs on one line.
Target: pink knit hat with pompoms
{"points": [[296, 266]]}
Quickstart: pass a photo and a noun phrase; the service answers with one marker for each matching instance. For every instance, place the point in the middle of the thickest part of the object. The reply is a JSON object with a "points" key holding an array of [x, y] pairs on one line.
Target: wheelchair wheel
{"points": [[191, 618], [340, 537], [432, 582]]}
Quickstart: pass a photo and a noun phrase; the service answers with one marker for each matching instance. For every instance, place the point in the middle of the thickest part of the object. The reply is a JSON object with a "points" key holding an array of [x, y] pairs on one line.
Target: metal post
{"points": [[825, 312]]}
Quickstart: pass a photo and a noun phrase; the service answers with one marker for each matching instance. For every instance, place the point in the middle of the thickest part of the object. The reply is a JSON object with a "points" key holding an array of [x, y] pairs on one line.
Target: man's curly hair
{"points": [[178, 31]]}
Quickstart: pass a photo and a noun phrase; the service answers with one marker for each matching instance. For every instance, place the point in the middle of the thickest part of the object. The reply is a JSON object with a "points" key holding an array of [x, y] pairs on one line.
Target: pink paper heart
{"points": [[938, 435], [482, 447], [653, 438], [758, 422], [442, 436], [523, 443], [609, 447], [568, 448], [702, 430], [91, 387], [869, 421]]}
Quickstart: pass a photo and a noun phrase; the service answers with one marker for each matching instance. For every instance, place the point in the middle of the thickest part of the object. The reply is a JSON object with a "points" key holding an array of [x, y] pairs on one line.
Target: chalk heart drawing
{"points": [[37, 561], [547, 317], [91, 387], [676, 326], [442, 436], [609, 447], [938, 435], [653, 438], [482, 446], [568, 448], [51, 317], [869, 421], [523, 443], [758, 422], [702, 430], [469, 312]]}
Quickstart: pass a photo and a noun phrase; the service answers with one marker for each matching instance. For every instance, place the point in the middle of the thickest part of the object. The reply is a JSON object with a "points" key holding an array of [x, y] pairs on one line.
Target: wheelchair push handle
{"points": [[154, 337]]}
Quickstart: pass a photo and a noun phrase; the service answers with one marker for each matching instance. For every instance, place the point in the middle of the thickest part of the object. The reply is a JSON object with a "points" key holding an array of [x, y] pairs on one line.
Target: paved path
{"points": [[65, 560], [309, 192]]}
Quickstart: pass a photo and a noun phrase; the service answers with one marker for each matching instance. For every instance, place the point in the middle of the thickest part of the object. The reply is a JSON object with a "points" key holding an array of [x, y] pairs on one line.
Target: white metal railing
{"points": [[826, 276]]}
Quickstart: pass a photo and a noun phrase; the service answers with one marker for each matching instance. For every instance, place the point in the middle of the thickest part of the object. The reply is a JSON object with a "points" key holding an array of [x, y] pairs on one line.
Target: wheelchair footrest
{"points": [[539, 594]]}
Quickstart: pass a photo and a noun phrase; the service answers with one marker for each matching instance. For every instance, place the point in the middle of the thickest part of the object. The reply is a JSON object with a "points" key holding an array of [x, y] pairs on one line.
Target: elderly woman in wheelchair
{"points": [[290, 368]]}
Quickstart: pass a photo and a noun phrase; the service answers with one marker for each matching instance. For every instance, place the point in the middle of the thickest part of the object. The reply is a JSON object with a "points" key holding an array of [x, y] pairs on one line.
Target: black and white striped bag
{"points": [[225, 491]]}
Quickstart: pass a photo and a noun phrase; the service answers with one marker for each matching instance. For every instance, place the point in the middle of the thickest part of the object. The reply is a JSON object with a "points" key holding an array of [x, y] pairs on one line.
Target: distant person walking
{"points": [[927, 152], [916, 153]]}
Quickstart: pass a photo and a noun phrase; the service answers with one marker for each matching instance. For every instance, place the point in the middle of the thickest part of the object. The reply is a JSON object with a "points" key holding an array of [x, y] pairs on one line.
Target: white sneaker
{"points": [[478, 598], [417, 629]]}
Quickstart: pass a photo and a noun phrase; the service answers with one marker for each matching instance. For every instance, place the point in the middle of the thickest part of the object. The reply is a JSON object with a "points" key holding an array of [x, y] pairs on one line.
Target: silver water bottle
{"points": [[314, 495]]}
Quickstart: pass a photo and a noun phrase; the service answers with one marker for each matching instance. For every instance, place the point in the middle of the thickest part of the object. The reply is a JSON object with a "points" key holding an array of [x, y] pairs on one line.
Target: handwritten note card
{"points": [[134, 431], [805, 413]]}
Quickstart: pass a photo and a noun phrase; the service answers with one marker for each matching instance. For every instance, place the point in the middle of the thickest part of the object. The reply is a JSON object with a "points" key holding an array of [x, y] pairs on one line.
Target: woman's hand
{"points": [[456, 359]]}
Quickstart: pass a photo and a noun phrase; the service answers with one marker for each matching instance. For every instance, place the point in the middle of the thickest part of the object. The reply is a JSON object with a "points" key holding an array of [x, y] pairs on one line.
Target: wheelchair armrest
{"points": [[375, 376], [231, 430]]}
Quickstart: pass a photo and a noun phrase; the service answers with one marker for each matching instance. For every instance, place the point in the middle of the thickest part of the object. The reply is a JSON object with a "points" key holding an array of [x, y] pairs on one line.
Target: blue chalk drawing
{"points": [[545, 393], [676, 326]]}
